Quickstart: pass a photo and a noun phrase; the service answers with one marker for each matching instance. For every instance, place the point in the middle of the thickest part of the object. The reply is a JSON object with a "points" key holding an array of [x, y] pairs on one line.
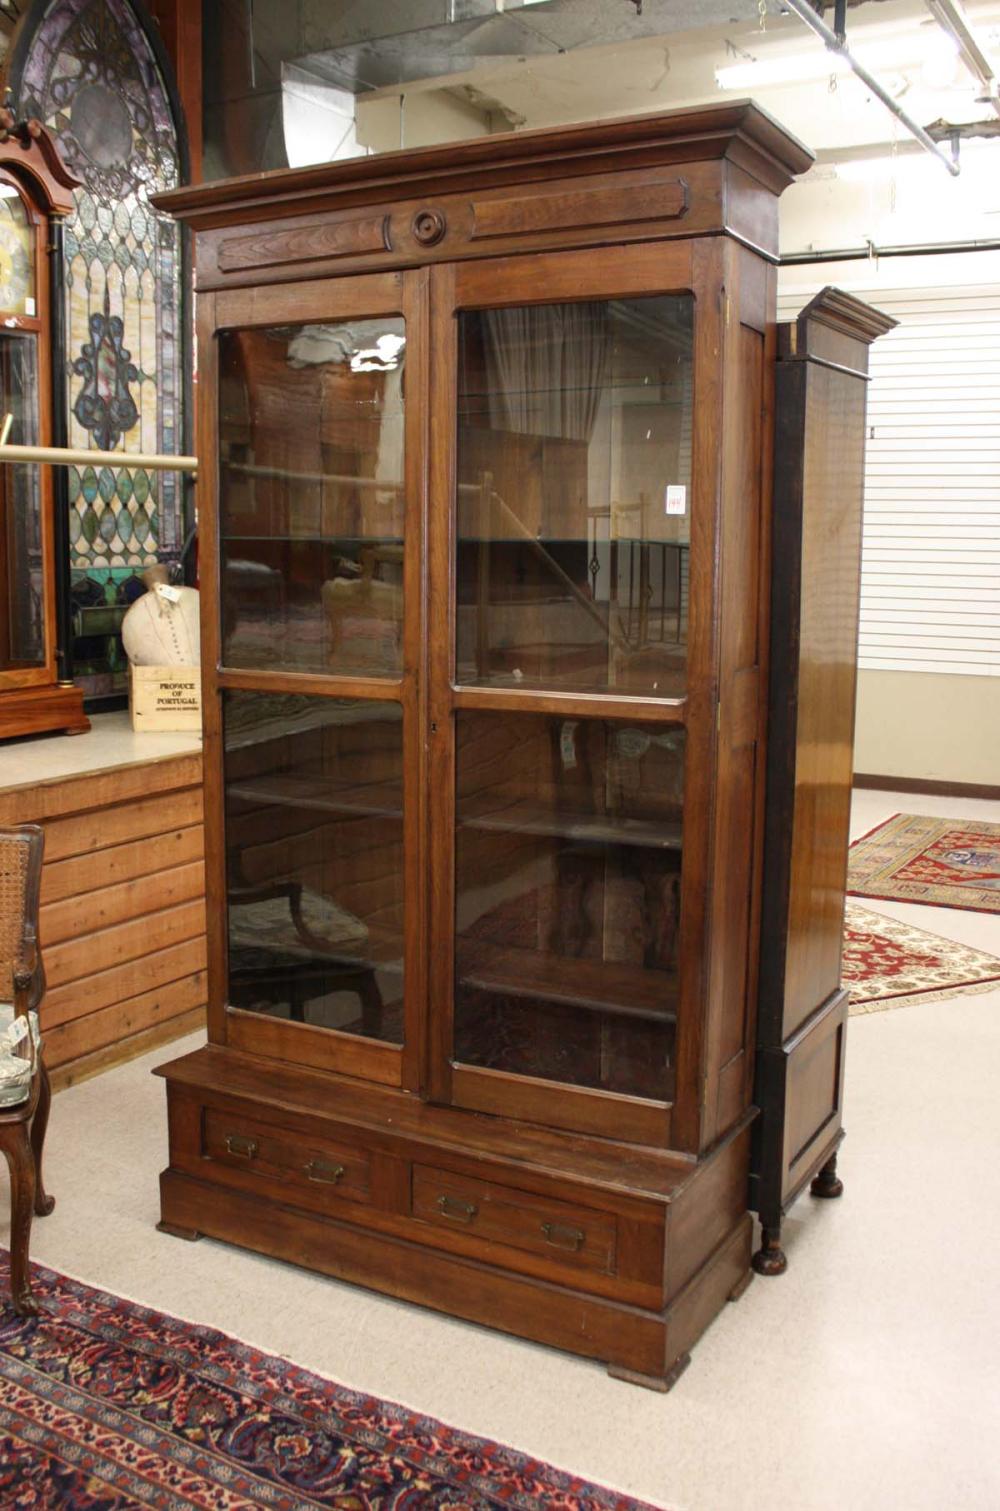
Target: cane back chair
{"points": [[25, 1093]]}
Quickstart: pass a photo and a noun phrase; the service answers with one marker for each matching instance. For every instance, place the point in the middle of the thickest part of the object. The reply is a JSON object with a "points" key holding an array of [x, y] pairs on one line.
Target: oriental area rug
{"points": [[107, 1405], [952, 863], [891, 964]]}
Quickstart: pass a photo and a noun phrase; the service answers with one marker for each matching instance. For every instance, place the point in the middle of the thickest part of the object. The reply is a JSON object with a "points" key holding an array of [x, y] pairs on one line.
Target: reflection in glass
{"points": [[311, 497], [17, 254], [314, 854], [574, 467], [22, 582], [568, 856]]}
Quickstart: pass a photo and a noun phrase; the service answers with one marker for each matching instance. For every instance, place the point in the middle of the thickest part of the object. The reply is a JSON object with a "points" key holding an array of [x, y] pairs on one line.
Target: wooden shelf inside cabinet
{"points": [[599, 986], [380, 545], [583, 828], [368, 801], [498, 604]]}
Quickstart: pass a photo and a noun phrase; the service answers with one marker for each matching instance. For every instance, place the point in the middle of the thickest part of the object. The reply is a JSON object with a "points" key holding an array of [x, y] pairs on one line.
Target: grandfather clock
{"points": [[36, 192]]}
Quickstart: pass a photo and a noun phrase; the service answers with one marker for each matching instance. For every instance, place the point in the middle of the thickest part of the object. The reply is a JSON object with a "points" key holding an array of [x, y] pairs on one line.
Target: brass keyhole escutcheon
{"points": [[428, 227]]}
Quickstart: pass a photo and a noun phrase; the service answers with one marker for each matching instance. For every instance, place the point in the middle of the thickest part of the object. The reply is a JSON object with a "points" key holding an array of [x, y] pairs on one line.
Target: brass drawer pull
{"points": [[245, 1148], [324, 1170], [562, 1237], [461, 1211]]}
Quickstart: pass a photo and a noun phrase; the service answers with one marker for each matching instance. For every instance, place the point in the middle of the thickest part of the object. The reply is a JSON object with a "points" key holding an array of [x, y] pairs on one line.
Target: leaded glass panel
{"points": [[92, 77]]}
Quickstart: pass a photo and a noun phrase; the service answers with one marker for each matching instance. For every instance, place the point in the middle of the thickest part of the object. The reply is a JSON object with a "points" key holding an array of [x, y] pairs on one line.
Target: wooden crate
{"points": [[165, 698]]}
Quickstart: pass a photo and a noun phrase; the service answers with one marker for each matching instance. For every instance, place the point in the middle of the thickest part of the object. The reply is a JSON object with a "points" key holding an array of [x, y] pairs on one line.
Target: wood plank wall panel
{"points": [[122, 922]]}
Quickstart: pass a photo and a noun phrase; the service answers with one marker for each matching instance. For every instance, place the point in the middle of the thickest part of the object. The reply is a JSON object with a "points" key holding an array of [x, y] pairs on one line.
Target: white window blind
{"points": [[930, 575]]}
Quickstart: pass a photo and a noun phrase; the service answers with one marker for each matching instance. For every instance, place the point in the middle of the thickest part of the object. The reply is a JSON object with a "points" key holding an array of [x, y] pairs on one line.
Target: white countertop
{"points": [[110, 742]]}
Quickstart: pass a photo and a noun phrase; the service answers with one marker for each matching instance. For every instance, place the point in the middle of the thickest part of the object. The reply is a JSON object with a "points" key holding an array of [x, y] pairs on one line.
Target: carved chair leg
{"points": [[770, 1258], [43, 1202], [21, 1162], [828, 1183]]}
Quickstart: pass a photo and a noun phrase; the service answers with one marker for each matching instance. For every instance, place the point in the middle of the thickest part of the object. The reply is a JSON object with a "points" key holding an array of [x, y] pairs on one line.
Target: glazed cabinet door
{"points": [[314, 654], [567, 534], [27, 588]]}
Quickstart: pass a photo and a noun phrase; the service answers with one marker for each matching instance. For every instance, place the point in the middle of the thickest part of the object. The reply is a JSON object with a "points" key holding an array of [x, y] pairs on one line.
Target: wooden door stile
{"points": [[416, 313], [209, 558], [697, 879], [440, 676]]}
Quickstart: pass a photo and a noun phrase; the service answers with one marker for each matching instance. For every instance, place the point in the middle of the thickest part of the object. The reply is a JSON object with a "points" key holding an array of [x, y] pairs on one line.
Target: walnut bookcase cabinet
{"points": [[485, 547]]}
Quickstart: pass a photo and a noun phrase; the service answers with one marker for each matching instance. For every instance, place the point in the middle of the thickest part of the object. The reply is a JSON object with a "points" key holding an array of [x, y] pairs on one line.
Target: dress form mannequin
{"points": [[162, 627]]}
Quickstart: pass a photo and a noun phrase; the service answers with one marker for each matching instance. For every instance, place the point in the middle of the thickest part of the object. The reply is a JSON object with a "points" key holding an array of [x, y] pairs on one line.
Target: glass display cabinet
{"points": [[35, 192], [484, 493]]}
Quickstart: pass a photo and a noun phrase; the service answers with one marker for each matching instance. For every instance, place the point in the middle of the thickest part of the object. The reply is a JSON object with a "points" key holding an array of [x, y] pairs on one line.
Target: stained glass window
{"points": [[91, 75]]}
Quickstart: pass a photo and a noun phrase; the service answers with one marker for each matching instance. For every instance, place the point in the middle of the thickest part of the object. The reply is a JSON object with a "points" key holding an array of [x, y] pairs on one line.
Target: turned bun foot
{"points": [[827, 1183], [770, 1258]]}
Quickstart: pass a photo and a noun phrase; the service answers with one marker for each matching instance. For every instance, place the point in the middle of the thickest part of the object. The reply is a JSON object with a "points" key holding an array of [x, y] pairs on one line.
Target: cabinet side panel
{"points": [[833, 482], [782, 703], [736, 821]]}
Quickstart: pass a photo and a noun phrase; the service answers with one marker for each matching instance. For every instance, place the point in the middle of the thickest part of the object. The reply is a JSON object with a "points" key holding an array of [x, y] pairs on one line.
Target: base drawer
{"points": [[298, 1163], [576, 1236]]}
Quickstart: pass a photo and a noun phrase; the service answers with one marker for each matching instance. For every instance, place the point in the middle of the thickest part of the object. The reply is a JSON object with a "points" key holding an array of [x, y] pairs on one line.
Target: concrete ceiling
{"points": [[409, 72], [674, 65]]}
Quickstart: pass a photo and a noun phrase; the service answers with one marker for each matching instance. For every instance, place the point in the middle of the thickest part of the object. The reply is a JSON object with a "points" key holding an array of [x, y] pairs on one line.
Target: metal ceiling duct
{"points": [[383, 43]]}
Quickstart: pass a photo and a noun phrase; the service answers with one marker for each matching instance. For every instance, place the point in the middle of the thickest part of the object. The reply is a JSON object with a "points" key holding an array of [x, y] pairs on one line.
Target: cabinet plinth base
{"points": [[190, 1235], [42, 710], [740, 1286], [369, 1187], [660, 1383]]}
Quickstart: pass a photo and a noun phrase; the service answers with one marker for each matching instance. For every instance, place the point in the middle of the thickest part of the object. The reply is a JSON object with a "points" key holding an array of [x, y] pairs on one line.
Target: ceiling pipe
{"points": [[805, 13], [952, 19], [870, 252]]}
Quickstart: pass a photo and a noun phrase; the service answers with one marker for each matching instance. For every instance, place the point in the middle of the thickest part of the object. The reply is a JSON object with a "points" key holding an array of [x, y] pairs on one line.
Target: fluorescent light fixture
{"points": [[930, 48], [867, 170], [794, 68], [870, 170]]}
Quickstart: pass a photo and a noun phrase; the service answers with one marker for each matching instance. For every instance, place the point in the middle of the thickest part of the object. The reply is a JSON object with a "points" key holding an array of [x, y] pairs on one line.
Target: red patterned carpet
{"points": [[106, 1405], [892, 964], [952, 863]]}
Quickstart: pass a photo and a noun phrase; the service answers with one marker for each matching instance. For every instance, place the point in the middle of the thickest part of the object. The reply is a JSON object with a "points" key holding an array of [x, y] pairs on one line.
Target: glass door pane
{"points": [[311, 497], [568, 853], [22, 577], [314, 860], [574, 468]]}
